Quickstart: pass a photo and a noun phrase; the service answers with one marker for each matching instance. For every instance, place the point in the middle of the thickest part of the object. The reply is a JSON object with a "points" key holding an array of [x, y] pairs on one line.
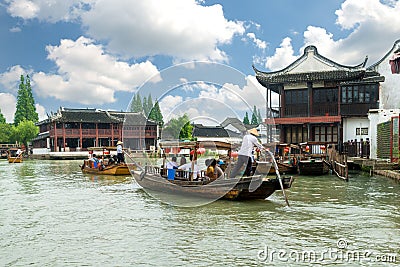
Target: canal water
{"points": [[53, 215]]}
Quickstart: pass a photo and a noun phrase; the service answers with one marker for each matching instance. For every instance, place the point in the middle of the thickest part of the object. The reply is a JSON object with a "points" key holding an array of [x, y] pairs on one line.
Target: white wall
{"points": [[376, 117], [389, 94], [349, 128]]}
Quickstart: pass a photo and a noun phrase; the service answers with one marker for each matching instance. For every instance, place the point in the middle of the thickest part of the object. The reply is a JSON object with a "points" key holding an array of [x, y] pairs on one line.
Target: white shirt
{"points": [[171, 164], [188, 166], [248, 143], [119, 149]]}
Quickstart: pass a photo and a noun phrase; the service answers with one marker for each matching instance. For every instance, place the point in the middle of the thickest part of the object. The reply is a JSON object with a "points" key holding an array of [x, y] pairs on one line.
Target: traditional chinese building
{"points": [[321, 100], [78, 129], [388, 112]]}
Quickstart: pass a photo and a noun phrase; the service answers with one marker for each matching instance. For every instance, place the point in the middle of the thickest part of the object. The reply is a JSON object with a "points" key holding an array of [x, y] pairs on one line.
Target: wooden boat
{"points": [[13, 157], [182, 183], [107, 167], [313, 167]]}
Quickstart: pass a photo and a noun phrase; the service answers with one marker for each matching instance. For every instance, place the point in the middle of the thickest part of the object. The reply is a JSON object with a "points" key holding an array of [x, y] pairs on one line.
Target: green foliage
{"points": [[136, 105], [2, 119], [7, 133], [259, 117], [25, 132], [246, 119], [26, 109], [254, 118], [179, 128], [156, 115]]}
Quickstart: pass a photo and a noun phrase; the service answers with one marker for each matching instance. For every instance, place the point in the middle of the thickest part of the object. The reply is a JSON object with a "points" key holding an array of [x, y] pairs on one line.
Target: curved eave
{"points": [[374, 66], [339, 75], [302, 57]]}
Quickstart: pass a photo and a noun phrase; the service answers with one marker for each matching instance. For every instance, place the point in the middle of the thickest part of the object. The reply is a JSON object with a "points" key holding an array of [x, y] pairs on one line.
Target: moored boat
{"points": [[313, 167]]}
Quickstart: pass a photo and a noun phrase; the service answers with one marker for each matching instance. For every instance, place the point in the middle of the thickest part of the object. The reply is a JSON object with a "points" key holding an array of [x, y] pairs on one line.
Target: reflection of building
{"points": [[78, 129], [321, 100]]}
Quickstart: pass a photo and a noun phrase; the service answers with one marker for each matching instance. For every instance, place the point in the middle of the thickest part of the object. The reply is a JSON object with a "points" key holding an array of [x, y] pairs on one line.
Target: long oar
{"points": [[20, 155], [279, 176], [143, 171]]}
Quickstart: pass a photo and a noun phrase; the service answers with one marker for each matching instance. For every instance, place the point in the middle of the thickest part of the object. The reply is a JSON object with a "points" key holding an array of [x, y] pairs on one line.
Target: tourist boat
{"points": [[108, 165], [13, 157], [258, 186], [313, 167]]}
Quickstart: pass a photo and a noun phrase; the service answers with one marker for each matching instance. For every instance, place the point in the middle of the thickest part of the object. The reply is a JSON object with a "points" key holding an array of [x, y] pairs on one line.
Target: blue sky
{"points": [[97, 53]]}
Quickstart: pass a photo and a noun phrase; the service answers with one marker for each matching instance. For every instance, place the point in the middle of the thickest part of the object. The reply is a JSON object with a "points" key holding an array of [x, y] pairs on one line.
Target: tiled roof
{"points": [[312, 66], [303, 120], [97, 116], [212, 131]]}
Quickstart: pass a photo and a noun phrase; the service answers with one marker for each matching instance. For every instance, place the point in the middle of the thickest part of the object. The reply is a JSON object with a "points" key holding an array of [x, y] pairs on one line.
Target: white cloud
{"points": [[15, 29], [182, 29], [259, 43], [284, 55], [10, 79], [88, 75], [374, 26], [213, 103], [47, 10], [41, 111], [8, 106]]}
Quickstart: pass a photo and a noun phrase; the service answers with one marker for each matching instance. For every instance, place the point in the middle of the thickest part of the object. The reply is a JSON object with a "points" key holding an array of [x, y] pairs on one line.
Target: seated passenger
{"points": [[172, 164], [188, 167], [213, 170]]}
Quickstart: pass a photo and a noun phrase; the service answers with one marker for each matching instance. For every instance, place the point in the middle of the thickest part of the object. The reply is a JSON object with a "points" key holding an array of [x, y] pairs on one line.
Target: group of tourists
{"points": [[108, 160]]}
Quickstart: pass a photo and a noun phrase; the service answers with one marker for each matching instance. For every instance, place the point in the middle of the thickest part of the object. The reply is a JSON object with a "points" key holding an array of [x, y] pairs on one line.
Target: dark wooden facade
{"points": [[78, 129], [315, 94]]}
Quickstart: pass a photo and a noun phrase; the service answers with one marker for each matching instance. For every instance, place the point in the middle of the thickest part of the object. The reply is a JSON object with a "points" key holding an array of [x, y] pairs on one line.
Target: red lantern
{"points": [[322, 147], [234, 154], [201, 150], [191, 152], [286, 149], [307, 149]]}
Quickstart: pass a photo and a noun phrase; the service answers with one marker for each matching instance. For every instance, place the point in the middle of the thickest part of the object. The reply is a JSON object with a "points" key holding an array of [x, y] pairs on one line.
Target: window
{"points": [[361, 131], [364, 93], [325, 133]]}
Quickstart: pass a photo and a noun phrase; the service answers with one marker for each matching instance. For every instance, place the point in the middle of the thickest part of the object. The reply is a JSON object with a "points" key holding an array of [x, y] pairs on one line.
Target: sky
{"points": [[195, 57]]}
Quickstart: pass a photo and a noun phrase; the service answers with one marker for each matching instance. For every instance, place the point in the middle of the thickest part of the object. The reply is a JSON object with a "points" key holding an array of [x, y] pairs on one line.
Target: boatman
{"points": [[120, 153], [245, 152]]}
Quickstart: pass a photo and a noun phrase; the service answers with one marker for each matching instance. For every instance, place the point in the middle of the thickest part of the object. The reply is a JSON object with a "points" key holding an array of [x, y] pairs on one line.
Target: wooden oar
{"points": [[20, 155], [279, 176]]}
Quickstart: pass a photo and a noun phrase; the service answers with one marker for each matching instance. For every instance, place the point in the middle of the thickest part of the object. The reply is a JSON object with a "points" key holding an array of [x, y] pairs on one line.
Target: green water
{"points": [[53, 215]]}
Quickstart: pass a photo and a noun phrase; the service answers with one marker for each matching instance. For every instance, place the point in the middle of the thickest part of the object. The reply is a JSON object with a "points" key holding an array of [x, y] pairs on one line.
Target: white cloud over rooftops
{"points": [[88, 75]]}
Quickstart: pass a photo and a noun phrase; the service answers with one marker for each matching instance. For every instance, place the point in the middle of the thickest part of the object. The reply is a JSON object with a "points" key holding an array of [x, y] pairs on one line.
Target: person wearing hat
{"points": [[245, 152], [120, 153]]}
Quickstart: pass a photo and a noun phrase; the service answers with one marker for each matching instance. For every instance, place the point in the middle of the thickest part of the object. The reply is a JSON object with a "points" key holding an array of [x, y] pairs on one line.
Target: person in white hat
{"points": [[120, 153], [245, 152]]}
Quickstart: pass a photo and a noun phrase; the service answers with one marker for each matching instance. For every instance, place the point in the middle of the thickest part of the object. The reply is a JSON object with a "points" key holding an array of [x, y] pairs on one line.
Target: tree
{"points": [[254, 119], [25, 132], [259, 116], [179, 128], [246, 119], [155, 114], [145, 107], [2, 119], [149, 104], [26, 109], [7, 133]]}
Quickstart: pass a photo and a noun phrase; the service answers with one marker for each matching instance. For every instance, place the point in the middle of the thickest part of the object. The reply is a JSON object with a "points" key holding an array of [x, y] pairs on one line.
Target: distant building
{"points": [[77, 129], [321, 100], [215, 133]]}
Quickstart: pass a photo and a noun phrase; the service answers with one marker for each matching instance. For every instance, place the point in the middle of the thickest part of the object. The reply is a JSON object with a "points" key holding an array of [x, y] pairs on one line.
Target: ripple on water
{"points": [[52, 214]]}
